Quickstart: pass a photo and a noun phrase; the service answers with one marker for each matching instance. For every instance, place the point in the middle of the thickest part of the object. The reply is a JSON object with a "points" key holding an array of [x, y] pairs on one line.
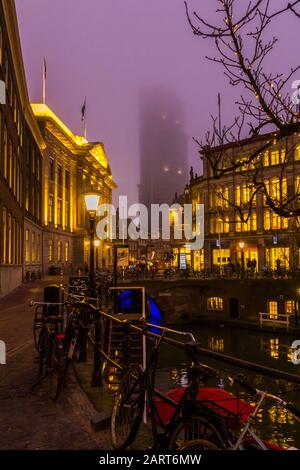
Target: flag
{"points": [[83, 110]]}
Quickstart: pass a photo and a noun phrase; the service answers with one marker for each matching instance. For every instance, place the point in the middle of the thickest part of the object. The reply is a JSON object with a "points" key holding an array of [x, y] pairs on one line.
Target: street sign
{"points": [[182, 261], [122, 257]]}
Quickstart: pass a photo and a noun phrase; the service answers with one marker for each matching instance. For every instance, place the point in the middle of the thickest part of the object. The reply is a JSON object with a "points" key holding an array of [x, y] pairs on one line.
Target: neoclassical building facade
{"points": [[71, 166]]}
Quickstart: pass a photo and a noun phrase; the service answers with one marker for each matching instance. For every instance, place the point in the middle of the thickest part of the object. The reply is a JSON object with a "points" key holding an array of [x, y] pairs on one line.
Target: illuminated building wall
{"points": [[21, 147], [267, 236], [71, 166]]}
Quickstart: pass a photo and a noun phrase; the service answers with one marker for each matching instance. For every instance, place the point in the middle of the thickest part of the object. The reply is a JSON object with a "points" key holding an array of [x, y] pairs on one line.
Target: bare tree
{"points": [[264, 105]]}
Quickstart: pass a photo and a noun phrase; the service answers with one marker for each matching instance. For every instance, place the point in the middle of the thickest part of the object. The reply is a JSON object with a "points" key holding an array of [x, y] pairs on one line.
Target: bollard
{"points": [[97, 369]]}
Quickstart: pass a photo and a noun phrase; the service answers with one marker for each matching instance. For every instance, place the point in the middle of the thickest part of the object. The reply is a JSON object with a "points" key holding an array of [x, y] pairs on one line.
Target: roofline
{"points": [[238, 143]]}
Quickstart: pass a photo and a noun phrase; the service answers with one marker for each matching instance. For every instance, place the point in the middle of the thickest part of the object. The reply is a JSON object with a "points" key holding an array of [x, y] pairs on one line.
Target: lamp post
{"points": [[242, 246], [97, 244], [91, 203]]}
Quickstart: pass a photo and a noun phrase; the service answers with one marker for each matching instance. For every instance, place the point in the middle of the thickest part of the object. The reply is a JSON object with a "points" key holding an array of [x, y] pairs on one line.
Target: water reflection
{"points": [[273, 422]]}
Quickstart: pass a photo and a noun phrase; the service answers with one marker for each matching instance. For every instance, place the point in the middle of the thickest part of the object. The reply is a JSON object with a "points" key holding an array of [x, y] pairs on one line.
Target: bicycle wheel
{"points": [[197, 445], [128, 408], [194, 428], [42, 350], [57, 370]]}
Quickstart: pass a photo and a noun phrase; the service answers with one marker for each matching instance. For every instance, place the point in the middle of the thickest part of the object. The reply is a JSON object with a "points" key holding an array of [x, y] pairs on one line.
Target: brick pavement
{"points": [[30, 420]]}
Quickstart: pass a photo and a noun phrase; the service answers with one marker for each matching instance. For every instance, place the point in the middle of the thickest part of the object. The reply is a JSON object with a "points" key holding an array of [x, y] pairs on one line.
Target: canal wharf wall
{"points": [[228, 301]]}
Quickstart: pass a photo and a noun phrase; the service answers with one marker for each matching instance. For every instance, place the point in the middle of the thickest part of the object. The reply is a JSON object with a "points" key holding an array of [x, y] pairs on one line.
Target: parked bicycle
{"points": [[244, 438], [49, 342], [129, 403], [198, 418]]}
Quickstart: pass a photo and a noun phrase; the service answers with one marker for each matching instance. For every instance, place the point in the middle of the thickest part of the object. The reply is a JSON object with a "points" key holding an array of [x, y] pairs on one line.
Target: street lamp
{"points": [[242, 246], [97, 244], [91, 203]]}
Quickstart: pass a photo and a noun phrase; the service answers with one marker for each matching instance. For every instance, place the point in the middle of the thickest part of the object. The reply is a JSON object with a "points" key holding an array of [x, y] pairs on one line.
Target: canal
{"points": [[273, 350]]}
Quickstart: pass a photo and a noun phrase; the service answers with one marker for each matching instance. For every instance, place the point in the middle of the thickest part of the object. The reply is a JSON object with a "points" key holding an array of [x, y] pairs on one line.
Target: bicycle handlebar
{"points": [[290, 407], [240, 380]]}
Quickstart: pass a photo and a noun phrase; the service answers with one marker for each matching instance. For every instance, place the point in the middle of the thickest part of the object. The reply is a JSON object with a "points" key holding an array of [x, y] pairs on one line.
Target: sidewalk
{"points": [[30, 420]]}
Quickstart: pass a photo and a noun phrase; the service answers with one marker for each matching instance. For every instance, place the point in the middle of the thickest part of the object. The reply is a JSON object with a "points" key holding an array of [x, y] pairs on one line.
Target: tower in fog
{"points": [[163, 147]]}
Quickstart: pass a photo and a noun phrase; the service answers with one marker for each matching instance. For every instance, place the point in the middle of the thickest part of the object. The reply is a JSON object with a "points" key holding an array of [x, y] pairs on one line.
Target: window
{"points": [[214, 303], [67, 254], [59, 251], [218, 225], [67, 217], [33, 253], [51, 169], [289, 307], [38, 248], [219, 197], [274, 157], [13, 240], [5, 160], [27, 247], [274, 254], [297, 152], [38, 169], [67, 180], [273, 309], [9, 239], [51, 251], [50, 208], [4, 235], [59, 174], [248, 225], [59, 212], [1, 45], [10, 164], [27, 195], [33, 161], [273, 221]]}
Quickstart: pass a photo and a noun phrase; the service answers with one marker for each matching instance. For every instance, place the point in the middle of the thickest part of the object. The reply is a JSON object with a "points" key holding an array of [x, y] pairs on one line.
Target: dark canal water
{"points": [[273, 350]]}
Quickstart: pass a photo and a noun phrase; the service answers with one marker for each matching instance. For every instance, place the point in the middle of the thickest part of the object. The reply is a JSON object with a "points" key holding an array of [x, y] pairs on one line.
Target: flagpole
{"points": [[44, 82], [84, 129]]}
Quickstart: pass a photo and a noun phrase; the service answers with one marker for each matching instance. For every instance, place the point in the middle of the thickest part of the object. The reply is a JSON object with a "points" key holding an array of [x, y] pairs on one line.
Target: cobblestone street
{"points": [[30, 420]]}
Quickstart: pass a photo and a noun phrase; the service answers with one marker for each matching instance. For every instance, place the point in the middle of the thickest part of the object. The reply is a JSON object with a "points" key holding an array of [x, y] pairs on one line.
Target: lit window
{"points": [[59, 251], [51, 251], [267, 220], [214, 303], [27, 246], [4, 235], [274, 157], [67, 254], [297, 152], [1, 45], [50, 208], [289, 307], [266, 159], [33, 254], [9, 239], [38, 248], [59, 211], [273, 309]]}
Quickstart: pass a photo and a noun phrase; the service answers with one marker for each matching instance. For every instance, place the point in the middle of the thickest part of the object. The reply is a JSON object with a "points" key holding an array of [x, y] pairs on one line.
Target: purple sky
{"points": [[109, 50]]}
